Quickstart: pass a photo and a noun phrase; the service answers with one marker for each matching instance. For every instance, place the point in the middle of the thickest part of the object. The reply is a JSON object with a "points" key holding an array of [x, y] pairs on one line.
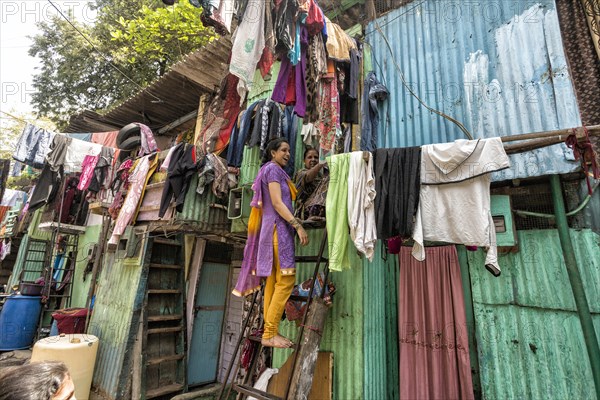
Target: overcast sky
{"points": [[18, 19]]}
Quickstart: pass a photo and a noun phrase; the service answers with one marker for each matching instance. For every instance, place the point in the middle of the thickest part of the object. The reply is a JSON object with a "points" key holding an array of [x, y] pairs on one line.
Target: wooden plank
{"points": [[161, 391], [165, 266], [164, 330], [322, 388], [168, 317], [169, 242], [309, 347], [158, 360], [164, 291]]}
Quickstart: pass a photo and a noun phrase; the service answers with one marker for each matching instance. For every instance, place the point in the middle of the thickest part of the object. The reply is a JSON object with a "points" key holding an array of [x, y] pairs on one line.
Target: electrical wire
{"points": [[405, 84], [99, 52], [396, 17], [15, 118]]}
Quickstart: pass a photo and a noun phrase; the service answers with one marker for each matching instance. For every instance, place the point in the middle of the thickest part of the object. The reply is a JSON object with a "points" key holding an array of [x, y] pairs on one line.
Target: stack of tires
{"points": [[128, 140]]}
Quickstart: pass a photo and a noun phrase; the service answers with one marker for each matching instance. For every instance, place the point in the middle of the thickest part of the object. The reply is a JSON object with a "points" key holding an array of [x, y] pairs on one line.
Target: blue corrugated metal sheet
{"points": [[529, 337], [498, 67], [119, 294], [343, 334]]}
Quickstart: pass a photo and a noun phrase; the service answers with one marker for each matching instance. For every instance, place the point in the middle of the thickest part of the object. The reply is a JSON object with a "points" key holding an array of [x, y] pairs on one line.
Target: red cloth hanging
{"points": [[434, 346]]}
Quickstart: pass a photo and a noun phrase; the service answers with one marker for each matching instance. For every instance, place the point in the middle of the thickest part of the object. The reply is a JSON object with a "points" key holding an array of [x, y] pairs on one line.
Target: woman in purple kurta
{"points": [[269, 251]]}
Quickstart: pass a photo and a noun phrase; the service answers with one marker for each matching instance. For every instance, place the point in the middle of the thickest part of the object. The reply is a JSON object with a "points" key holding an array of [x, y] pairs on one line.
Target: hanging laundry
{"points": [[108, 139], [50, 179], [268, 55], [349, 92], [252, 124], [181, 169], [315, 20], [289, 131], [329, 123], [4, 248], [77, 151], [216, 13], [336, 209], [248, 45], [222, 114], [239, 136], [137, 186], [339, 43], [361, 203], [102, 172], [316, 68], [148, 145], [11, 197], [287, 71], [434, 346], [285, 16], [33, 145], [87, 171], [214, 171], [454, 201], [373, 92], [86, 137], [397, 183]]}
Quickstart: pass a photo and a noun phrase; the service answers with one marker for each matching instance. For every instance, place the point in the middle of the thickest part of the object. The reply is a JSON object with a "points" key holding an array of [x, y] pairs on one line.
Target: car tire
{"points": [[131, 143], [127, 132]]}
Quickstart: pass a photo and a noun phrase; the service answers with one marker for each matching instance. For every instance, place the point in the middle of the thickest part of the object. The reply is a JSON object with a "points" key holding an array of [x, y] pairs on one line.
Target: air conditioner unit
{"points": [[238, 210]]}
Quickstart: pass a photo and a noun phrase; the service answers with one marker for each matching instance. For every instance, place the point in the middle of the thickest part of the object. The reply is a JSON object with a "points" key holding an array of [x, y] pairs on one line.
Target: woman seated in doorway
{"points": [[312, 182]]}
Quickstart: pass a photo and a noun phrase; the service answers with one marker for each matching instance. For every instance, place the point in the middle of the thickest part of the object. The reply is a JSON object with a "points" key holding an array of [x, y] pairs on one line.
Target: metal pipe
{"points": [[587, 325], [470, 314], [569, 214]]}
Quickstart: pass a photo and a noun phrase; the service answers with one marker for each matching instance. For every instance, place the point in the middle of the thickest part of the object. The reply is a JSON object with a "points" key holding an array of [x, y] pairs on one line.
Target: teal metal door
{"points": [[209, 310]]}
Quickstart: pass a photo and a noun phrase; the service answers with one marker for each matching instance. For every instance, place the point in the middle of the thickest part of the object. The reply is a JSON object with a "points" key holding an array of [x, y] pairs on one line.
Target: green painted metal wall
{"points": [[343, 333], [81, 287], [114, 321], [380, 347], [200, 210], [33, 231], [529, 338]]}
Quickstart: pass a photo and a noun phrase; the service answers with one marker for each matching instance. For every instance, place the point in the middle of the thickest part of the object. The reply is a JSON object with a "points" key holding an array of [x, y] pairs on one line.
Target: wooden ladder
{"points": [[163, 366], [303, 358]]}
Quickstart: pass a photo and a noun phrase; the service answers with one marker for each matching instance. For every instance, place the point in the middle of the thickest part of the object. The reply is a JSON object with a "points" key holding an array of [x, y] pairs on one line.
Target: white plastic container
{"points": [[77, 351]]}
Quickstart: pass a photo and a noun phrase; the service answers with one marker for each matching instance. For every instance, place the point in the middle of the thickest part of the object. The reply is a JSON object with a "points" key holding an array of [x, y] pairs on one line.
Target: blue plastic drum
{"points": [[18, 322]]}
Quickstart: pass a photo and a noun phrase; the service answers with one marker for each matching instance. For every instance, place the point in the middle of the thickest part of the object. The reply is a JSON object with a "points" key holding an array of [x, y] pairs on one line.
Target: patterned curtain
{"points": [[579, 26], [592, 14]]}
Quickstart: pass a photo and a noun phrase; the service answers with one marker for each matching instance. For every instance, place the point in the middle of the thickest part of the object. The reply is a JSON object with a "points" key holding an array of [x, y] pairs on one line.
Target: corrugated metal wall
{"points": [[119, 295], [343, 333], [199, 209], [529, 338], [498, 67], [380, 282], [81, 287]]}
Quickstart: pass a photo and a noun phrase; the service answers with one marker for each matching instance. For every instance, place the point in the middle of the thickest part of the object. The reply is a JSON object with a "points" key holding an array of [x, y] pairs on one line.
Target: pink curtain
{"points": [[434, 347]]}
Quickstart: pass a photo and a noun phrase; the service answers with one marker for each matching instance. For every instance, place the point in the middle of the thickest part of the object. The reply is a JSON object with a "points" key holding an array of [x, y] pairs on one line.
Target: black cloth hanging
{"points": [[179, 174], [397, 183]]}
